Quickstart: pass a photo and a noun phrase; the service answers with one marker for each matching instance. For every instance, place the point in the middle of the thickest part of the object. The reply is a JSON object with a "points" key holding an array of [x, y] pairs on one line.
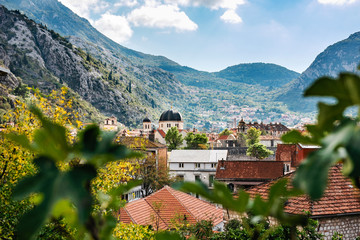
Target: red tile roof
{"points": [[167, 204], [249, 170], [162, 133], [139, 143], [340, 197], [223, 137]]}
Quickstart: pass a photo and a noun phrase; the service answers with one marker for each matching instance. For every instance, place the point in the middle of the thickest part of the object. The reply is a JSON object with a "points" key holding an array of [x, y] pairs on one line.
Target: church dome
{"points": [[170, 115], [146, 120]]}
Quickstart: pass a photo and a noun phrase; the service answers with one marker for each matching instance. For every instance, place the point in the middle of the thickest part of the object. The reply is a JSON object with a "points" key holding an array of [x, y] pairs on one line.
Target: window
{"points": [[162, 125], [213, 165], [211, 180], [177, 125], [197, 165], [180, 178], [181, 165], [197, 178], [168, 125], [286, 168]]}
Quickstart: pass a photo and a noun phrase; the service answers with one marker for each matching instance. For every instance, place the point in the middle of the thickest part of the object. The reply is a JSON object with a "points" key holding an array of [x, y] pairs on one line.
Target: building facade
{"points": [[195, 165]]}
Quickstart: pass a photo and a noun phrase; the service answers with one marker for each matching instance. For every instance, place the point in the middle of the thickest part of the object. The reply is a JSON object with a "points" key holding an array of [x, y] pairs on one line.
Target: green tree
{"points": [[225, 132], [153, 179], [252, 136], [196, 141], [241, 139], [259, 151], [173, 138]]}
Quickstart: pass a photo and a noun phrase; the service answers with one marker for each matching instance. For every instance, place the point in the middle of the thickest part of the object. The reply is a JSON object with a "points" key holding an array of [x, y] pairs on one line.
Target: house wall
{"points": [[147, 126], [303, 153], [189, 171], [166, 125], [162, 158], [270, 142], [349, 226]]}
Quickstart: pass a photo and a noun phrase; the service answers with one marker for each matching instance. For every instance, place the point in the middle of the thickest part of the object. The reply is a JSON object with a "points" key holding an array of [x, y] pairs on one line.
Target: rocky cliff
{"points": [[46, 60]]}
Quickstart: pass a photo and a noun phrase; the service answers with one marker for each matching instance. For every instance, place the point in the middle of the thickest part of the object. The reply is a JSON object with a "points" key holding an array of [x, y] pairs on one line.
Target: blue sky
{"points": [[211, 35]]}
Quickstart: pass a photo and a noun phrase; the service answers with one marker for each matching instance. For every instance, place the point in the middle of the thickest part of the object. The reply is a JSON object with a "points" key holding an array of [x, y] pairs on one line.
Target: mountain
{"points": [[265, 74], [339, 57], [158, 82], [44, 59], [62, 20]]}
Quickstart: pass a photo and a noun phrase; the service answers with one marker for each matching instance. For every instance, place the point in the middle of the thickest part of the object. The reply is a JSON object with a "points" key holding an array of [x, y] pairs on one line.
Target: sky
{"points": [[211, 35]]}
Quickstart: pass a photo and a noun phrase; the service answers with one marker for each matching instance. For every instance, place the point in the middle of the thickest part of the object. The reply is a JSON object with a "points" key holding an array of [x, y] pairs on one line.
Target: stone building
{"points": [[273, 129], [167, 120], [337, 211], [110, 124]]}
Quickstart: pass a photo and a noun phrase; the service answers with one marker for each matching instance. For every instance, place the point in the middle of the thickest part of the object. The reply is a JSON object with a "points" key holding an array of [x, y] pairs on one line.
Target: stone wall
{"points": [[348, 226]]}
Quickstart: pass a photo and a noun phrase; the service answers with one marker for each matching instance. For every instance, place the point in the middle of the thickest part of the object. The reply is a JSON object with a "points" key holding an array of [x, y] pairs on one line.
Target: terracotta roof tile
{"points": [[139, 143], [200, 209], [249, 170], [162, 133], [166, 205], [340, 196], [223, 137]]}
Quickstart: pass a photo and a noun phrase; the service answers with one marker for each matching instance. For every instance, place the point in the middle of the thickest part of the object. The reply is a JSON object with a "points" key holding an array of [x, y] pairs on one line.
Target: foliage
{"points": [[338, 135], [252, 136], [259, 151], [225, 132], [114, 173], [256, 149], [21, 90], [173, 138], [241, 139], [133, 231], [56, 229], [15, 161], [202, 229], [73, 184], [259, 208], [153, 178], [245, 229], [196, 141]]}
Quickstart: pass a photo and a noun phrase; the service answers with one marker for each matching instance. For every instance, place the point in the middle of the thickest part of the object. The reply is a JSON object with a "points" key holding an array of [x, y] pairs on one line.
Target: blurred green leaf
{"points": [[295, 136], [168, 236], [54, 185], [311, 176], [258, 208], [98, 149]]}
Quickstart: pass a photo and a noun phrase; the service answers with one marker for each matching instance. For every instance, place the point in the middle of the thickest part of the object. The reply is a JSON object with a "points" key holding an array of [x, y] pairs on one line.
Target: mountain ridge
{"points": [[341, 56]]}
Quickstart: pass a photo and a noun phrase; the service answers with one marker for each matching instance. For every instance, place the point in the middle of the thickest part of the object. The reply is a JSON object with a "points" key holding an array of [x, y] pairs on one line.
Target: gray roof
{"points": [[170, 115], [197, 155]]}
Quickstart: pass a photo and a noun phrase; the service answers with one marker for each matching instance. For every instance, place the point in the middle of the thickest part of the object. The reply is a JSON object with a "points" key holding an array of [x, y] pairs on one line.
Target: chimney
{"points": [[222, 164], [152, 135]]}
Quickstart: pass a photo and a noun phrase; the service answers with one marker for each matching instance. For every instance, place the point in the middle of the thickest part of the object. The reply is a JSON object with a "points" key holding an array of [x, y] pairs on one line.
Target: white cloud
{"points": [[126, 3], [81, 7], [115, 27], [161, 16], [213, 4], [230, 16], [336, 2]]}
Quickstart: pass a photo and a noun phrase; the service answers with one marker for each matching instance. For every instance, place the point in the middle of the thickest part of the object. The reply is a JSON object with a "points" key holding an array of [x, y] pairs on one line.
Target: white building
{"points": [[169, 119], [195, 165]]}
